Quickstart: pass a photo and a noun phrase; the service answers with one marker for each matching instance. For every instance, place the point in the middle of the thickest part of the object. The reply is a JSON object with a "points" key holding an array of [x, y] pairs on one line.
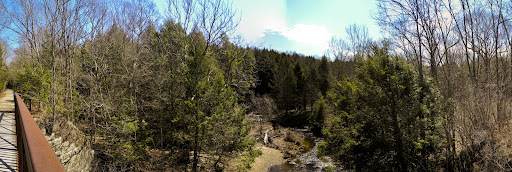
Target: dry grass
{"points": [[268, 158], [293, 137]]}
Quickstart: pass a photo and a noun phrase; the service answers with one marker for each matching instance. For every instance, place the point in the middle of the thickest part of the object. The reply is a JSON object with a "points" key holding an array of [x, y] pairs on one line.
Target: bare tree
{"points": [[358, 38], [214, 18], [22, 18], [182, 12], [338, 49], [356, 44], [133, 16]]}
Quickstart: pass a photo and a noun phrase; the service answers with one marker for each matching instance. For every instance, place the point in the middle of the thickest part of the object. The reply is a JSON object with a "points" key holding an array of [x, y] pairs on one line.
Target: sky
{"points": [[302, 26]]}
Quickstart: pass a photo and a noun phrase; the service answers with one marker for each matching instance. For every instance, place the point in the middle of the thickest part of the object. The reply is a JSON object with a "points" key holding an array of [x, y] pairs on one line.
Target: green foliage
{"points": [[265, 70], [237, 65], [301, 85], [318, 115], [4, 75], [284, 84], [387, 119], [293, 80], [199, 113], [34, 81], [248, 159], [324, 72]]}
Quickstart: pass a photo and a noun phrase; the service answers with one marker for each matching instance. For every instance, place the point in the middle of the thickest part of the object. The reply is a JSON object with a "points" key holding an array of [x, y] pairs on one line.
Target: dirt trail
{"points": [[268, 158]]}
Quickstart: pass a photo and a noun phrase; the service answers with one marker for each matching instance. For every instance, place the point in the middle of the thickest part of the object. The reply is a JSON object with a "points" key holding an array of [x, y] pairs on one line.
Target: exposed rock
{"points": [[311, 161], [73, 157], [73, 151]]}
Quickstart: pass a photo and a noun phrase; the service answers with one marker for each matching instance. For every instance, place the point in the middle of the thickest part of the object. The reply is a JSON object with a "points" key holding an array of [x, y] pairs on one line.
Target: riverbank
{"points": [[287, 149]]}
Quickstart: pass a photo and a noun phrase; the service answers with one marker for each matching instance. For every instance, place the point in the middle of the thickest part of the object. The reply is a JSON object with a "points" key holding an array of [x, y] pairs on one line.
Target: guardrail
{"points": [[34, 152]]}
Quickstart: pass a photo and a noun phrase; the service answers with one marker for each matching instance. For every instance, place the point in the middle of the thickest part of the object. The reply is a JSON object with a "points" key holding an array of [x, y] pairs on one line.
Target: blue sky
{"points": [[303, 26]]}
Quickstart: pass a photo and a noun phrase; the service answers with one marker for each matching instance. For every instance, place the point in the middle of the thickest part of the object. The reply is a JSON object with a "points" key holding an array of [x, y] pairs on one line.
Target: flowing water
{"points": [[309, 143]]}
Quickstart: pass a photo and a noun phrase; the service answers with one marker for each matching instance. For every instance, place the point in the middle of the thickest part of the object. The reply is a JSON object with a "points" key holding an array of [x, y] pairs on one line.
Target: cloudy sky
{"points": [[303, 26]]}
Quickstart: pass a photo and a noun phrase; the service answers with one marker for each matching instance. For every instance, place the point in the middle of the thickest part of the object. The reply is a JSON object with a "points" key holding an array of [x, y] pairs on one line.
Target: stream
{"points": [[305, 161]]}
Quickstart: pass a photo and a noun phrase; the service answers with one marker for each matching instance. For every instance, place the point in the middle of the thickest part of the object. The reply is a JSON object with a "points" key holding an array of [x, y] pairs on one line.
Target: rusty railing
{"points": [[34, 152]]}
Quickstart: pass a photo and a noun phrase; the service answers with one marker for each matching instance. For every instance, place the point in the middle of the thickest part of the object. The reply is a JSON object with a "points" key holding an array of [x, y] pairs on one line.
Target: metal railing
{"points": [[34, 152]]}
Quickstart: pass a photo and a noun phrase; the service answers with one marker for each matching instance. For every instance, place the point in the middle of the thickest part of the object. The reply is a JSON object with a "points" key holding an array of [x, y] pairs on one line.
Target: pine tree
{"points": [[324, 72], [318, 116], [377, 124], [284, 83], [301, 85], [215, 119]]}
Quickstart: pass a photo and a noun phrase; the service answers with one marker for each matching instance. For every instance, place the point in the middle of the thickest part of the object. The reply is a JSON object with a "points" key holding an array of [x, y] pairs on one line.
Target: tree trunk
{"points": [[195, 149]]}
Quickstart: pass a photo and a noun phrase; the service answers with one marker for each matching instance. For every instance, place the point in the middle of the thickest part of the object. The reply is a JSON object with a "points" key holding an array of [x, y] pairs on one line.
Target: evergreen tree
{"points": [[377, 124], [166, 92], [284, 83], [318, 116], [311, 90], [324, 72], [265, 70], [237, 65], [301, 85], [216, 121]]}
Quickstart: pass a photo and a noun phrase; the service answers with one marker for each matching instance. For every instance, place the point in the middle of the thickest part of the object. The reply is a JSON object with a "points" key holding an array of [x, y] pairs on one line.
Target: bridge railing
{"points": [[34, 152]]}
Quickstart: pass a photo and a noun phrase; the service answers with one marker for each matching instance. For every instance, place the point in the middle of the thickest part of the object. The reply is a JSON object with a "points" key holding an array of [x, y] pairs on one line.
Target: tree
{"points": [[324, 73], [311, 78], [264, 70], [284, 83], [194, 98], [215, 19], [108, 105], [357, 44], [216, 120], [134, 16], [300, 86], [4, 76], [237, 65], [358, 36], [377, 122], [318, 115], [338, 48], [21, 17]]}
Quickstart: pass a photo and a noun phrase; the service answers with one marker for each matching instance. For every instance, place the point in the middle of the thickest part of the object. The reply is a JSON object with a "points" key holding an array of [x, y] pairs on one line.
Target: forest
{"points": [[181, 91]]}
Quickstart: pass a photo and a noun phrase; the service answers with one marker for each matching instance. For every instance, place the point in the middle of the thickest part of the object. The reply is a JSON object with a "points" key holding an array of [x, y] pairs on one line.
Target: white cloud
{"points": [[257, 16], [261, 23], [313, 35]]}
